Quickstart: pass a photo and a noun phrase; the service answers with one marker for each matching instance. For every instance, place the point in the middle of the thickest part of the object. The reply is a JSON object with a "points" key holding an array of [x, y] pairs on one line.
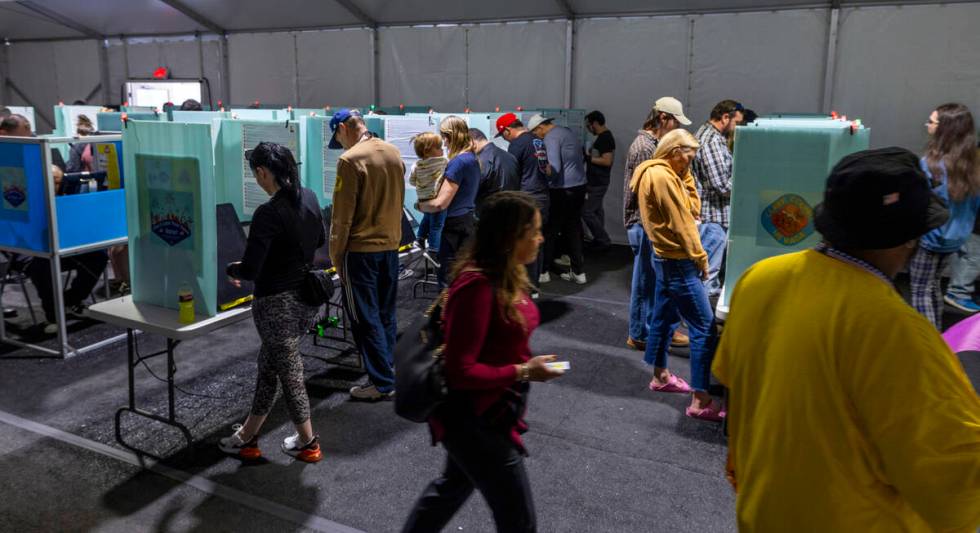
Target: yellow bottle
{"points": [[185, 304]]}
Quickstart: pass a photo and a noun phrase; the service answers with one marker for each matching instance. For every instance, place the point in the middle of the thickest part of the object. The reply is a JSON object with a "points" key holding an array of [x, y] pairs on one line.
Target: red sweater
{"points": [[482, 347]]}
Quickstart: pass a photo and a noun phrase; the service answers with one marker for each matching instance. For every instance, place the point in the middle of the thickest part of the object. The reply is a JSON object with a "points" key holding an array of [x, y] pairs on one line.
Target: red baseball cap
{"points": [[505, 122]]}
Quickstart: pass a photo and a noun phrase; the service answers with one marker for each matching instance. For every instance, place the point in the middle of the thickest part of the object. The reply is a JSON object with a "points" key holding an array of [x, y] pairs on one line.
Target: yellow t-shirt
{"points": [[847, 411]]}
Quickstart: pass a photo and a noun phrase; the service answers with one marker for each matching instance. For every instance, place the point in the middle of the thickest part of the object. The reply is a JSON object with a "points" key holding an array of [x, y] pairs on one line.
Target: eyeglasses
{"points": [[932, 122]]}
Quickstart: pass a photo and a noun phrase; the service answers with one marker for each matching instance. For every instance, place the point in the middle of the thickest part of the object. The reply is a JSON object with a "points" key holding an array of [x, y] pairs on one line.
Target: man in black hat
{"points": [[847, 411]]}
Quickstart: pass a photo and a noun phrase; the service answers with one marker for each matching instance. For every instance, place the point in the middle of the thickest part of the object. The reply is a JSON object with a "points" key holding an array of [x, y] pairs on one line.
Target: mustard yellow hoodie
{"points": [[669, 205]]}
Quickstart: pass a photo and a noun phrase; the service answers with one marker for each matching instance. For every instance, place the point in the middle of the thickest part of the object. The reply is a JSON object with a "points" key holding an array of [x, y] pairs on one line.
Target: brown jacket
{"points": [[668, 204], [367, 200]]}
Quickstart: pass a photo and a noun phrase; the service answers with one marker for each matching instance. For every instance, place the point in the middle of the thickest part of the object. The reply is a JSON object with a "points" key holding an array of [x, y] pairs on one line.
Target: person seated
{"points": [[426, 177], [81, 156], [14, 125]]}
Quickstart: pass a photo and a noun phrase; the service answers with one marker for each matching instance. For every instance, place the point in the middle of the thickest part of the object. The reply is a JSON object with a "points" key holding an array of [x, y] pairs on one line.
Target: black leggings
{"points": [[482, 458], [454, 234]]}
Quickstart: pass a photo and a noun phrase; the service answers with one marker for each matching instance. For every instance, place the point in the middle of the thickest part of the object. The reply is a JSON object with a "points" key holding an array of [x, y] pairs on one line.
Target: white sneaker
{"points": [[369, 393], [535, 294], [309, 452], [544, 278], [50, 328], [564, 261], [577, 278], [236, 446]]}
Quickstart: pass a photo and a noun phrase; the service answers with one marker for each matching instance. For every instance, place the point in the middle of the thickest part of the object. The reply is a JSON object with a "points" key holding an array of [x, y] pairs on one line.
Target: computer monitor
{"points": [[156, 93]]}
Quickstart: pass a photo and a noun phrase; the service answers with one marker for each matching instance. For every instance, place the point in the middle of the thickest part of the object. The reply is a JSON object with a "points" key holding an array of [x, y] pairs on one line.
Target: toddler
{"points": [[427, 176]]}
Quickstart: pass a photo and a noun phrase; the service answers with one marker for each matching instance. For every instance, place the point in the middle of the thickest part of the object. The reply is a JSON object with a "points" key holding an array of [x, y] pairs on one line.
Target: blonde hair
{"points": [[679, 138], [457, 132], [425, 142]]}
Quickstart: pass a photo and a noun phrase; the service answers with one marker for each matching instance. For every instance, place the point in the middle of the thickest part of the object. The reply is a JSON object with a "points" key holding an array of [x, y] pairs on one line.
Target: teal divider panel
{"points": [[779, 175], [170, 209], [255, 114], [23, 205], [112, 120], [235, 183], [320, 163], [399, 131], [91, 217], [197, 117]]}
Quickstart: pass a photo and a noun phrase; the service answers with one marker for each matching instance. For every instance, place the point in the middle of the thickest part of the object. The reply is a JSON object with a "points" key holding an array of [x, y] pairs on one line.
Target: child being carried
{"points": [[427, 177]]}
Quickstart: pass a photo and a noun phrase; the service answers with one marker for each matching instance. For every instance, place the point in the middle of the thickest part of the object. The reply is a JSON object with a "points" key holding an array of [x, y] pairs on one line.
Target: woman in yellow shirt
{"points": [[667, 201]]}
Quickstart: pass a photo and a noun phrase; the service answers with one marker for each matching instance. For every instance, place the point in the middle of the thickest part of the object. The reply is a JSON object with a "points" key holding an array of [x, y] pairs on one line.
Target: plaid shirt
{"points": [[642, 149], [712, 167]]}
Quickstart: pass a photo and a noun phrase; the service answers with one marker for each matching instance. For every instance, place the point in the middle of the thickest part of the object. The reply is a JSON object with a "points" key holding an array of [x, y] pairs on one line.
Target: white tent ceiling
{"points": [[59, 19]]}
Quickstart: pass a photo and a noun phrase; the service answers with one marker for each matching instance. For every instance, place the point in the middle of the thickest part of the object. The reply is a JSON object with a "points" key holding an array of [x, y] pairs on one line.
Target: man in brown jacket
{"points": [[365, 230]]}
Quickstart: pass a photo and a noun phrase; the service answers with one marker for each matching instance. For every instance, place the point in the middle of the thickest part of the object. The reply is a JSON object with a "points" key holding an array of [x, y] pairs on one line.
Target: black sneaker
{"points": [[78, 311]]}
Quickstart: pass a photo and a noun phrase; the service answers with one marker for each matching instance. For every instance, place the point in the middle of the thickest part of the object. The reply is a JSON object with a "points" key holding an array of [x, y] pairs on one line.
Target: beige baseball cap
{"points": [[669, 104], [537, 120]]}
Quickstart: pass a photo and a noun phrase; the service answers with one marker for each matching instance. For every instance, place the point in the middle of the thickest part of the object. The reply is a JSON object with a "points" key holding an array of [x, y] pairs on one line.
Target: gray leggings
{"points": [[281, 320]]}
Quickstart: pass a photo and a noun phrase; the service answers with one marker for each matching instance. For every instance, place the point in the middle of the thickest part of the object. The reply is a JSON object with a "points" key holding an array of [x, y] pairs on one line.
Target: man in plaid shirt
{"points": [[712, 166]]}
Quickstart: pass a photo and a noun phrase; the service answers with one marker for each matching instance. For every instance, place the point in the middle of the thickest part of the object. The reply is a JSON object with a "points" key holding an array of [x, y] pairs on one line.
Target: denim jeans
{"points": [[681, 294], [714, 240], [455, 232], [594, 216], [430, 229], [642, 284], [370, 294], [966, 268]]}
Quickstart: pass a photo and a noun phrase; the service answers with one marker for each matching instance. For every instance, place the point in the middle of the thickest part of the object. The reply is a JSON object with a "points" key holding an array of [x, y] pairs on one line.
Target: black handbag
{"points": [[420, 384], [318, 286]]}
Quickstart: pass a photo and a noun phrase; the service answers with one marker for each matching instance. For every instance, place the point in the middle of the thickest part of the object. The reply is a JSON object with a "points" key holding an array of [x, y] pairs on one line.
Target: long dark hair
{"points": [[955, 145], [505, 218], [281, 163]]}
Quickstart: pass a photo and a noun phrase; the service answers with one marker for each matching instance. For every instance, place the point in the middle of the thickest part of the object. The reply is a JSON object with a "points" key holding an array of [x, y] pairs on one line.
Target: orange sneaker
{"points": [[680, 340], [635, 344], [309, 452], [234, 445]]}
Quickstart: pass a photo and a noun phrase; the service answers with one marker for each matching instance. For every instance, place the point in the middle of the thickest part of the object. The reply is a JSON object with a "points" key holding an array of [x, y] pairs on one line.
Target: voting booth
{"points": [[37, 220], [780, 171]]}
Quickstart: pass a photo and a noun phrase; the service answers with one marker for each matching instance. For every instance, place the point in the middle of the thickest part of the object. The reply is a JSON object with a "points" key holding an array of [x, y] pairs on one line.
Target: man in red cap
{"points": [[532, 165]]}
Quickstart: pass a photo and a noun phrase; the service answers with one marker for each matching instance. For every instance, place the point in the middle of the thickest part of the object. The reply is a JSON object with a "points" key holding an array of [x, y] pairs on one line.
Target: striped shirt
{"points": [[712, 167], [427, 176], [642, 149]]}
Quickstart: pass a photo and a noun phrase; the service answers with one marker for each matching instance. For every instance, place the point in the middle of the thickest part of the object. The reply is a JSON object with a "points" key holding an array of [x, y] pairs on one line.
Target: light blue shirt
{"points": [[566, 157], [954, 233]]}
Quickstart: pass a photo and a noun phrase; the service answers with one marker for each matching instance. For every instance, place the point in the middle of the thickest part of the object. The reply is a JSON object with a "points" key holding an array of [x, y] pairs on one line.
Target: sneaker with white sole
{"points": [[309, 452], [235, 445], [49, 328], [579, 279], [544, 278], [564, 261], [963, 304], [370, 393]]}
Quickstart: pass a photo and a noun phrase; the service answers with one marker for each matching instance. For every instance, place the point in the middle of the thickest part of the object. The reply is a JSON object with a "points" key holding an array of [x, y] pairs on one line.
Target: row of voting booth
{"points": [[176, 178]]}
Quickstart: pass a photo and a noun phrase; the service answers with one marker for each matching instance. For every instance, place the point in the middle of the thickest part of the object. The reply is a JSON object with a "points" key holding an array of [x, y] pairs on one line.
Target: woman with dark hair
{"points": [[489, 318], [284, 234], [951, 164], [457, 195]]}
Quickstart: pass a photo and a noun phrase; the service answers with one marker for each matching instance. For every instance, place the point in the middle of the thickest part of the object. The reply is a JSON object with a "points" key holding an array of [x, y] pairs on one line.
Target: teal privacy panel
{"points": [[780, 171], [320, 162], [255, 114], [170, 206], [235, 183], [197, 117], [23, 204], [112, 120]]}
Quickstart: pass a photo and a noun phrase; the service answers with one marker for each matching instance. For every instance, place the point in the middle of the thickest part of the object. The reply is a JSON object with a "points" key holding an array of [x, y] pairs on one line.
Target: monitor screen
{"points": [[156, 93]]}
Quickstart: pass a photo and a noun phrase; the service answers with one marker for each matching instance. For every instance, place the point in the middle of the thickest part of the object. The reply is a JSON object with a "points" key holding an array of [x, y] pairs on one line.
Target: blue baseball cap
{"points": [[340, 116]]}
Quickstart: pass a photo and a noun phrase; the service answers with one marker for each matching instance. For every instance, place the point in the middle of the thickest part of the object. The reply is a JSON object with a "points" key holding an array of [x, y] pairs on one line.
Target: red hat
{"points": [[504, 122]]}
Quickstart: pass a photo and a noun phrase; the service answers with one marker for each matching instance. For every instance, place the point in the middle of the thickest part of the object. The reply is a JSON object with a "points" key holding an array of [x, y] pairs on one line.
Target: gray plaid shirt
{"points": [[713, 169], [642, 149]]}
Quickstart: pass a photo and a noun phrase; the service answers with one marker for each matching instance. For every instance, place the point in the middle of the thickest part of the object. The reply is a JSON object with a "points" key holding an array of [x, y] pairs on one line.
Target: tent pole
{"points": [[830, 65]]}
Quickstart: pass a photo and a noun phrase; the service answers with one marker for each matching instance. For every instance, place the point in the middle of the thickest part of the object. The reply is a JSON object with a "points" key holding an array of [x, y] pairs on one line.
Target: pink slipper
{"points": [[713, 412], [674, 384]]}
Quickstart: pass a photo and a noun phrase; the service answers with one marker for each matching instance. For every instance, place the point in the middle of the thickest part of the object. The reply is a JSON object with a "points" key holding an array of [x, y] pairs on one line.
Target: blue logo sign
{"points": [[789, 219], [14, 195]]}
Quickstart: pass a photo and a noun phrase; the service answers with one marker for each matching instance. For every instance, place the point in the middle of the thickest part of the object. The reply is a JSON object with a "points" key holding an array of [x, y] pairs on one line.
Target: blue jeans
{"points": [[370, 292], [714, 239], [642, 284], [966, 268], [430, 229], [681, 294]]}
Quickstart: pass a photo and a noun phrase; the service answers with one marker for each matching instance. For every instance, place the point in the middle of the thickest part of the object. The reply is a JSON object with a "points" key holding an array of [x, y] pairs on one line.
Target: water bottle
{"points": [[185, 304]]}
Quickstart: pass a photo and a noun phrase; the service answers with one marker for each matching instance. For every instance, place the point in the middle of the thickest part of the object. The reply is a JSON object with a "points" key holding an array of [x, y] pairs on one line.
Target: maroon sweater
{"points": [[482, 346]]}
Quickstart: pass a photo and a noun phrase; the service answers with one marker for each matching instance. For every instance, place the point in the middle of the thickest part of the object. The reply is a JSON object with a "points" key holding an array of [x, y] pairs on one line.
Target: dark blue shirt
{"points": [[463, 170], [532, 160]]}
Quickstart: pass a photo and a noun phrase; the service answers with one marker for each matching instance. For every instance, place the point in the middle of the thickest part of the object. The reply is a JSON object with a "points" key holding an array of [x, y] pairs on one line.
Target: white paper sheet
{"points": [[252, 134]]}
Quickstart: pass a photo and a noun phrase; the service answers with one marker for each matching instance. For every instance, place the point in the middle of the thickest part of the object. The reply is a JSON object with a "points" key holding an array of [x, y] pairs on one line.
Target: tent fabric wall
{"points": [[895, 65], [424, 66], [181, 55], [262, 66], [515, 64], [52, 72], [334, 68]]}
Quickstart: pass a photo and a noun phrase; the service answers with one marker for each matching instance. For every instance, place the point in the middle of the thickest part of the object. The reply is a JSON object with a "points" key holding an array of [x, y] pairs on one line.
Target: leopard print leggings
{"points": [[282, 320]]}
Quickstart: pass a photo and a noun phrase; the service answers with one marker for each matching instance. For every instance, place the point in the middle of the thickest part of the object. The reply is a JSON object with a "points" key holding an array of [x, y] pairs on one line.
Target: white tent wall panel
{"points": [[771, 62], [423, 66], [516, 64], [621, 66], [334, 68], [262, 66], [895, 65], [52, 72]]}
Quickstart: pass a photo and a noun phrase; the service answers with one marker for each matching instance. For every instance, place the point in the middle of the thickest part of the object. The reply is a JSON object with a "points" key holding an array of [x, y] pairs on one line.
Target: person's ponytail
{"points": [[281, 163]]}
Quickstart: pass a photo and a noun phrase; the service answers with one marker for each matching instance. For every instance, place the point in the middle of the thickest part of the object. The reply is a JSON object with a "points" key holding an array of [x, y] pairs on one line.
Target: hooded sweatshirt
{"points": [[669, 205]]}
